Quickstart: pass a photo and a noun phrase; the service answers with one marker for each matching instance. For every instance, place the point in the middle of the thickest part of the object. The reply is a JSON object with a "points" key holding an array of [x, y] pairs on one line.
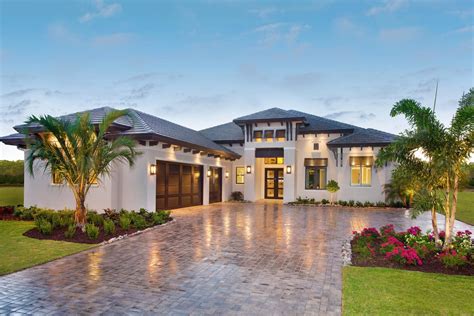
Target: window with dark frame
{"points": [[257, 136], [239, 175], [268, 135], [315, 178], [316, 146], [280, 135], [274, 160]]}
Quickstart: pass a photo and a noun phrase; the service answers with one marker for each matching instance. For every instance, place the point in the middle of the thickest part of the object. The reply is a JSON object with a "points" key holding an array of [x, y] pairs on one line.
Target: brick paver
{"points": [[220, 259]]}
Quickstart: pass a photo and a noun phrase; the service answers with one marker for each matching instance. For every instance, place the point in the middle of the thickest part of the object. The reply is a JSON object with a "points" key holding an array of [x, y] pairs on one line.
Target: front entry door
{"points": [[215, 185], [274, 183]]}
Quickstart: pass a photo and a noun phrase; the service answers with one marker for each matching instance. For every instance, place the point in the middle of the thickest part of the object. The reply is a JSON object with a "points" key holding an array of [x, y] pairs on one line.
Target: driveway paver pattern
{"points": [[228, 258]]}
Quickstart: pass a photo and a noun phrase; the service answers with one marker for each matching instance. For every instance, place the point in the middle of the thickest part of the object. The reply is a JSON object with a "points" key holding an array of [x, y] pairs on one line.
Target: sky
{"points": [[204, 63]]}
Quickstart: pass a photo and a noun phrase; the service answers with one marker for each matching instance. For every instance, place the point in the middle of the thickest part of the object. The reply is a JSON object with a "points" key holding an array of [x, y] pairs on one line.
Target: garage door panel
{"points": [[178, 185]]}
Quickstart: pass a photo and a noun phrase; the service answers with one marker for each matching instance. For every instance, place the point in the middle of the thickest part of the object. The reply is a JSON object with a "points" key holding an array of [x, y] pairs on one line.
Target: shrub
{"points": [[390, 245], [26, 214], [236, 196], [387, 230], [161, 217], [92, 231], [43, 225], [94, 218], [380, 204], [324, 201], [138, 221], [125, 221], [70, 231], [359, 204], [404, 255], [112, 214], [463, 244], [109, 227], [351, 203], [55, 220], [368, 204], [451, 258]]}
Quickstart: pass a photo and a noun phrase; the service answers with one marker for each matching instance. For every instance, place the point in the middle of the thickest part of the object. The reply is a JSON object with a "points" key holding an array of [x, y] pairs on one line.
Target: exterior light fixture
{"points": [[249, 169], [209, 172], [227, 174], [288, 169], [152, 169]]}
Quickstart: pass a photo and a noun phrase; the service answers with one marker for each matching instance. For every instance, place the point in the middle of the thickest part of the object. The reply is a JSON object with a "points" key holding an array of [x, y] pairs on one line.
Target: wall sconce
{"points": [[249, 169], [152, 170], [288, 169], [208, 172], [227, 174]]}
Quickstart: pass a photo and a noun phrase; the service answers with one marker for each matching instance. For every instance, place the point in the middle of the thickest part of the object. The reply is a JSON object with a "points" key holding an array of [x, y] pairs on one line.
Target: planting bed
{"points": [[412, 250]]}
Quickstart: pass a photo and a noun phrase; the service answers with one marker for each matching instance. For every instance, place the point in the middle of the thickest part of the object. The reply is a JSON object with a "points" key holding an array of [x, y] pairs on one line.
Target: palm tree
{"points": [[444, 153], [79, 153]]}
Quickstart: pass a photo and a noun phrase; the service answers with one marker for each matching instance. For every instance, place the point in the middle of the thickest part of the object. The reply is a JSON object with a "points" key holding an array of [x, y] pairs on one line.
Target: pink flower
{"points": [[414, 230]]}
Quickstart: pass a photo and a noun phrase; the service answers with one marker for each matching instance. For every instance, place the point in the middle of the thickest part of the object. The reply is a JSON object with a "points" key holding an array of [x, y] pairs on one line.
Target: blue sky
{"points": [[202, 63]]}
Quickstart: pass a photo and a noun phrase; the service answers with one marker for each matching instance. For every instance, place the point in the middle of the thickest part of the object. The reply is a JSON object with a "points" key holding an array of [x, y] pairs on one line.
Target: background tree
{"points": [[78, 152], [434, 155], [332, 187]]}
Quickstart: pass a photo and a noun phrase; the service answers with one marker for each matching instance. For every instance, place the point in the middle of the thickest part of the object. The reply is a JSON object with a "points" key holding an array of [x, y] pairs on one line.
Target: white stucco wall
{"points": [[127, 187]]}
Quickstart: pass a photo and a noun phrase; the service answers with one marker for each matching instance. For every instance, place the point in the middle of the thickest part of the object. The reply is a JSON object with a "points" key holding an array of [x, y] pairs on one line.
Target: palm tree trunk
{"points": [[80, 215], [434, 223], [447, 215], [452, 215]]}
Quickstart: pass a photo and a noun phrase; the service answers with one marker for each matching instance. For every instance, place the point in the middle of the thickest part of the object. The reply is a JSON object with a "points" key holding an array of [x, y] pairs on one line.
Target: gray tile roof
{"points": [[225, 133], [315, 124], [269, 114], [363, 137], [137, 123]]}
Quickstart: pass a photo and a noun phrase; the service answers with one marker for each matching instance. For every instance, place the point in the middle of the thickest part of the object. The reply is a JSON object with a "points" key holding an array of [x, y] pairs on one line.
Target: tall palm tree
{"points": [[445, 151], [78, 152]]}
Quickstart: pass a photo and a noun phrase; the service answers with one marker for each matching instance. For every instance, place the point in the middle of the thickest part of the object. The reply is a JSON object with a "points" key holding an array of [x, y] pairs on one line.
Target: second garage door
{"points": [[178, 185]]}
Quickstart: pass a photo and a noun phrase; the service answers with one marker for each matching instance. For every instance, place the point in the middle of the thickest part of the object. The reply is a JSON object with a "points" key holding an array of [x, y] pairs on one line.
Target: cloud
{"points": [[351, 115], [149, 76], [17, 93], [274, 33], [330, 101], [466, 29], [344, 25], [399, 34], [264, 13], [301, 80], [59, 31], [15, 109], [425, 86], [388, 6], [112, 39], [102, 10], [140, 92]]}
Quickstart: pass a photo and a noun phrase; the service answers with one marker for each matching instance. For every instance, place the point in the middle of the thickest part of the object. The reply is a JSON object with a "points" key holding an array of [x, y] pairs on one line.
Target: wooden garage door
{"points": [[215, 185], [177, 185]]}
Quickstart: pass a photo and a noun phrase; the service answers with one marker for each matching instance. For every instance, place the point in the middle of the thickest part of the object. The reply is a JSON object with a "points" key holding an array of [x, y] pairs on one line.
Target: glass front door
{"points": [[274, 183]]}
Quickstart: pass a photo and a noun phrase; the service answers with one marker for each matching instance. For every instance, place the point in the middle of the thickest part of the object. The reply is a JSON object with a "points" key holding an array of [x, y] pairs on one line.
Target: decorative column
{"points": [[289, 186], [249, 186]]}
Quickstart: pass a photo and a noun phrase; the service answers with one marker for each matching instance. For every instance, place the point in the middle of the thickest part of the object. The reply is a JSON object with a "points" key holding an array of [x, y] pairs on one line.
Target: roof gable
{"points": [[224, 133], [273, 114]]}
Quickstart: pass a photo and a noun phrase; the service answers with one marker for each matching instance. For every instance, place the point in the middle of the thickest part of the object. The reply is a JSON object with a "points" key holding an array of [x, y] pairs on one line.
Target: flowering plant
{"points": [[404, 255], [451, 258], [414, 230]]}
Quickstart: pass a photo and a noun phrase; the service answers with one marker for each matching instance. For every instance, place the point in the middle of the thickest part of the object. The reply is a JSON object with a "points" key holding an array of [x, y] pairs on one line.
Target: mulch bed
{"points": [[79, 236], [430, 264]]}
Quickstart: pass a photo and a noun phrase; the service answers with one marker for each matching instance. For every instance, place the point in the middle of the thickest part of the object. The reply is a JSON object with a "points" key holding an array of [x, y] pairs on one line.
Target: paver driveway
{"points": [[225, 258]]}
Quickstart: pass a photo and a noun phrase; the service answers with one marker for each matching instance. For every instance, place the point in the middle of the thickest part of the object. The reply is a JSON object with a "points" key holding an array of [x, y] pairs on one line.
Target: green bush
{"points": [[109, 227], [70, 231], [359, 204], [66, 218], [380, 204], [125, 221], [94, 218], [161, 217], [342, 203], [92, 231], [452, 259], [351, 203], [324, 201], [43, 225], [55, 220], [236, 196], [368, 204], [138, 221], [26, 214]]}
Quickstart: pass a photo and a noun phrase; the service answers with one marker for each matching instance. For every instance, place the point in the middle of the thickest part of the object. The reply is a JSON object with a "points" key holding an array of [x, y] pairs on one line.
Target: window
{"points": [[239, 175], [269, 135], [316, 173], [257, 136], [361, 171], [316, 146], [274, 161], [280, 135], [315, 178], [55, 178]]}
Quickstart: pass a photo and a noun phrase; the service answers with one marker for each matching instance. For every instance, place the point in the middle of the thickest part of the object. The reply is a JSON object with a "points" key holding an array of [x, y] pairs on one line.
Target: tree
{"points": [[332, 187], [402, 186], [444, 153], [78, 152]]}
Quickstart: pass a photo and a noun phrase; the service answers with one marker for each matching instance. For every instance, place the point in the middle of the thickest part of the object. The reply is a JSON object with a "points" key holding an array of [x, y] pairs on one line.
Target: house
{"points": [[271, 154]]}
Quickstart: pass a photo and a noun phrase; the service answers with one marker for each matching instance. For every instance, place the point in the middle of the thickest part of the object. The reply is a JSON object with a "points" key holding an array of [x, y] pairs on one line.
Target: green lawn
{"points": [[380, 291], [11, 195], [19, 252], [465, 210]]}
